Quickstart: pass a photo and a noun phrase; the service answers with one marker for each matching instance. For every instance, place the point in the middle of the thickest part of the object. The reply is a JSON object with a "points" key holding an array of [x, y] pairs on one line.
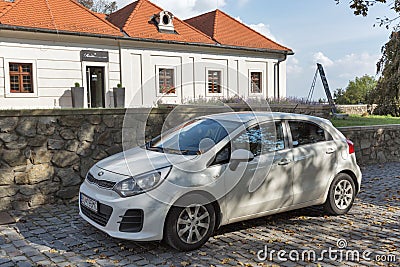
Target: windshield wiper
{"points": [[155, 148], [176, 151], [170, 150], [180, 152]]}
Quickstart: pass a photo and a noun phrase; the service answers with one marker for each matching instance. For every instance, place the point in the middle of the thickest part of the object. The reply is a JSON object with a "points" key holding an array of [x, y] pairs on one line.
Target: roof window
{"points": [[164, 22]]}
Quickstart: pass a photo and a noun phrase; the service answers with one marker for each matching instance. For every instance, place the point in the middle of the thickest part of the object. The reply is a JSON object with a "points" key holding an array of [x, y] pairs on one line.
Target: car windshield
{"points": [[193, 137]]}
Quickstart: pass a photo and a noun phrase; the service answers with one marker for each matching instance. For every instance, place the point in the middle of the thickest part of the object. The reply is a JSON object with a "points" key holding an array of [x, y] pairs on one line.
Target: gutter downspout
{"points": [[120, 61], [277, 76]]}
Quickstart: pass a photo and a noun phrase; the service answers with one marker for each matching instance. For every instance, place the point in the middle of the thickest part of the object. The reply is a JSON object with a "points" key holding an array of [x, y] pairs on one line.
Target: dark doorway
{"points": [[95, 86]]}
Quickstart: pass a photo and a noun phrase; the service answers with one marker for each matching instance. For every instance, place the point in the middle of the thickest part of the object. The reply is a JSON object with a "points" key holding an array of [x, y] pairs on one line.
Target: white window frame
{"points": [[158, 93], [263, 84], [8, 93], [208, 94]]}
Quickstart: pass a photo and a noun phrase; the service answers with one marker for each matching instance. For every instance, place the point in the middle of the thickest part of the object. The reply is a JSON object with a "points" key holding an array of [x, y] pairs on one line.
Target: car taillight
{"points": [[351, 146]]}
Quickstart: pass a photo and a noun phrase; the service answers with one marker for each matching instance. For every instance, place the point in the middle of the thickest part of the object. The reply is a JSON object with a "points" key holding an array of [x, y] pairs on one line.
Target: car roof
{"points": [[247, 116]]}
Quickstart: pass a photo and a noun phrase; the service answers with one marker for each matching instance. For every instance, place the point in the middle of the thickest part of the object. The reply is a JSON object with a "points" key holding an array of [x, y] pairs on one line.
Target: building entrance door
{"points": [[96, 87]]}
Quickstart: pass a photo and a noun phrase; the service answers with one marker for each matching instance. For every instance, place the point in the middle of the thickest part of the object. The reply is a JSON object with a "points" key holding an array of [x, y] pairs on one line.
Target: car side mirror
{"points": [[240, 155]]}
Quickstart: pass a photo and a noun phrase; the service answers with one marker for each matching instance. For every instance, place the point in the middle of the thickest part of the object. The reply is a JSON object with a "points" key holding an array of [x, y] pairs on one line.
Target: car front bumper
{"points": [[154, 213]]}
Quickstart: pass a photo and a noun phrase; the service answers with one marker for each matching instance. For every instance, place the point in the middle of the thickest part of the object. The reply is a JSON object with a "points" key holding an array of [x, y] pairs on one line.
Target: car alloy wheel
{"points": [[190, 222], [193, 224], [343, 194]]}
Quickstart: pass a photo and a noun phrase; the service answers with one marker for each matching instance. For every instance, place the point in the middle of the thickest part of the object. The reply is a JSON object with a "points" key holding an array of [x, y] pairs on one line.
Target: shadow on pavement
{"points": [[56, 235]]}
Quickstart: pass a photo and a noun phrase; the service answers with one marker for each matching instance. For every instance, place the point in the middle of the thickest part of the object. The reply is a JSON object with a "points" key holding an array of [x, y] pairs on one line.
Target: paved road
{"points": [[56, 236]]}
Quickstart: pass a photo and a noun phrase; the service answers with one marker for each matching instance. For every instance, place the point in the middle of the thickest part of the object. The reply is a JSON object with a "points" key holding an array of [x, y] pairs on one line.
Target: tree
{"points": [[357, 91], [100, 6], [387, 92], [361, 7], [86, 3], [339, 97]]}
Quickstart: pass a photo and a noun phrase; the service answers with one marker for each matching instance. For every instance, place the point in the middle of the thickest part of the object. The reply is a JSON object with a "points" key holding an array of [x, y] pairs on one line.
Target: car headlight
{"points": [[141, 183]]}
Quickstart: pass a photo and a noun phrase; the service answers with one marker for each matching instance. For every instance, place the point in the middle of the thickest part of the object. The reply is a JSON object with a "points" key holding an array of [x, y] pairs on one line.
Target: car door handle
{"points": [[284, 162], [330, 150]]}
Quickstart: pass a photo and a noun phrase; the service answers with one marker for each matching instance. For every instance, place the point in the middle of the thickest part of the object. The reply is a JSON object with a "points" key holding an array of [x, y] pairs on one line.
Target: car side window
{"points": [[272, 137], [304, 133], [249, 140], [261, 139]]}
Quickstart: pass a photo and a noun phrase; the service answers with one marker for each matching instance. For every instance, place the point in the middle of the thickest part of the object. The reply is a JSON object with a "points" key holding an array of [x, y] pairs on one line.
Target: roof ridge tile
{"points": [[212, 13], [215, 23], [139, 3], [9, 7], [51, 14]]}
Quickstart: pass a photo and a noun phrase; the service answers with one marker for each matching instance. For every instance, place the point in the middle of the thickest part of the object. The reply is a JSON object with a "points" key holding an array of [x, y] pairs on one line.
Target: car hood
{"points": [[138, 160]]}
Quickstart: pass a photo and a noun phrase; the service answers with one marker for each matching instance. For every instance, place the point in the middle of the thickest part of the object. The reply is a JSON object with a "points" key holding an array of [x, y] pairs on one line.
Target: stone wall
{"points": [[322, 111], [45, 154], [375, 144], [356, 109]]}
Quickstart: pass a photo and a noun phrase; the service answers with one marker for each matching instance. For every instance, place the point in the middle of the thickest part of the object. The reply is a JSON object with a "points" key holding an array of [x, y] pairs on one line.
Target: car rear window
{"points": [[304, 133]]}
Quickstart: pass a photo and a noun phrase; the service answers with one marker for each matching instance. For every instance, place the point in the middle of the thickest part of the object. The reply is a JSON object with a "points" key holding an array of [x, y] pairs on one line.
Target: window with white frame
{"points": [[255, 82], [214, 81], [166, 80], [21, 77]]}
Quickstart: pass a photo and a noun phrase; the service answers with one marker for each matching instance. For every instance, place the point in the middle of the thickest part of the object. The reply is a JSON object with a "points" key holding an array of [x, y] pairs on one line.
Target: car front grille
{"points": [[101, 183], [132, 221], [101, 217]]}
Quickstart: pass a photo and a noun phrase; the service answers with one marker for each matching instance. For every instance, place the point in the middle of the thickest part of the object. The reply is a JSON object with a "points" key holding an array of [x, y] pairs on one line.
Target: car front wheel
{"points": [[188, 228], [341, 195]]}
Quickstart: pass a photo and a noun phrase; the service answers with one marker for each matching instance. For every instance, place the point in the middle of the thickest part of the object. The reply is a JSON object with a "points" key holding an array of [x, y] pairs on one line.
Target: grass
{"points": [[357, 120]]}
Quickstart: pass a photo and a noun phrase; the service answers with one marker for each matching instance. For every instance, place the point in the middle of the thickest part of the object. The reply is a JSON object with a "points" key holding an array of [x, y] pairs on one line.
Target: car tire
{"points": [[341, 195], [190, 226]]}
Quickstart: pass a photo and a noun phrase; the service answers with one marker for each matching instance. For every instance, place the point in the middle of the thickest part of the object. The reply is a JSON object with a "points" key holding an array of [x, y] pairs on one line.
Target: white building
{"points": [[46, 46]]}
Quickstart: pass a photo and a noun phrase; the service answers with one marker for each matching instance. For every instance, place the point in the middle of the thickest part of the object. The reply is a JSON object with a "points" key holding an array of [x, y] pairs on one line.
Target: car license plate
{"points": [[88, 202]]}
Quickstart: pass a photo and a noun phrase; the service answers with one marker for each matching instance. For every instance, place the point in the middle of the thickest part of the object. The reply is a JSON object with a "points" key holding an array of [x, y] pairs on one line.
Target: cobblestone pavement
{"points": [[57, 236]]}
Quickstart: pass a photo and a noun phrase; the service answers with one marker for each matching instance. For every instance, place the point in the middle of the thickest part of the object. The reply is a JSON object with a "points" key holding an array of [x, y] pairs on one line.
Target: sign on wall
{"points": [[94, 56]]}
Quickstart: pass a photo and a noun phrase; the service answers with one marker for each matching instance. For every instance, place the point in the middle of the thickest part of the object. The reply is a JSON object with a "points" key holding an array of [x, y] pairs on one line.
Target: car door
{"points": [[314, 156], [265, 183]]}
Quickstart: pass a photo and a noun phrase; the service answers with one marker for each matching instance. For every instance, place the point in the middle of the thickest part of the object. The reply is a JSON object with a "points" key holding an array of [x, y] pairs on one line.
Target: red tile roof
{"points": [[4, 6], [134, 20], [120, 17], [228, 31], [57, 15]]}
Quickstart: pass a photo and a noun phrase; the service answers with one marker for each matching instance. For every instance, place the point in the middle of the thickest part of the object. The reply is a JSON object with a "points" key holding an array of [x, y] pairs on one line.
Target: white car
{"points": [[220, 169]]}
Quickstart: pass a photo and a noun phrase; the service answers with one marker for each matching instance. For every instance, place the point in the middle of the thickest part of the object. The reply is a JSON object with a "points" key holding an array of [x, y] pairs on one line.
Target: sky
{"points": [[348, 46]]}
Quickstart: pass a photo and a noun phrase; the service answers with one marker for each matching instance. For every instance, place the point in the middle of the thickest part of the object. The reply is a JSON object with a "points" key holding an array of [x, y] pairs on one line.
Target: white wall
{"points": [[57, 66], [140, 79]]}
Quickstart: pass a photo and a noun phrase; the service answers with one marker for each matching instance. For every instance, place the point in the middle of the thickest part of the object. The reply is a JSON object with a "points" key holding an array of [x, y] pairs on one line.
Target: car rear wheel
{"points": [[341, 195], [188, 228]]}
